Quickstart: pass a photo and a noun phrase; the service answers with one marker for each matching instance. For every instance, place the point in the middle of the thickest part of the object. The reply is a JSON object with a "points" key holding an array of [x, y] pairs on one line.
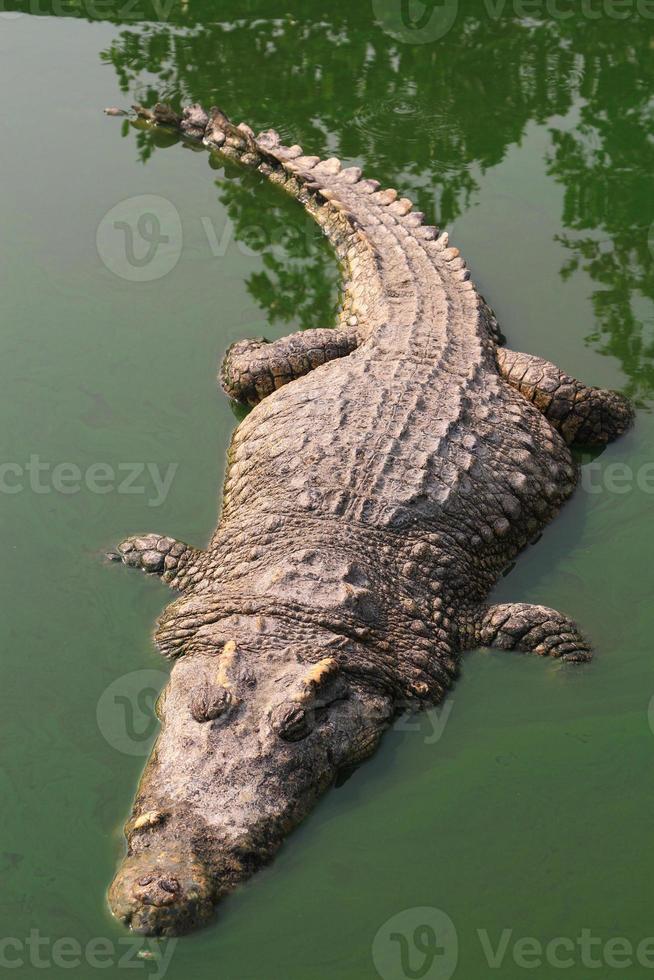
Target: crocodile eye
{"points": [[209, 701], [291, 721]]}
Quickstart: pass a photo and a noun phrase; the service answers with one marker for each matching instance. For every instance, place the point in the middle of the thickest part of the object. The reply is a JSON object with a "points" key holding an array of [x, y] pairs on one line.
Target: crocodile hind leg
{"points": [[532, 629], [584, 416], [253, 369], [156, 554]]}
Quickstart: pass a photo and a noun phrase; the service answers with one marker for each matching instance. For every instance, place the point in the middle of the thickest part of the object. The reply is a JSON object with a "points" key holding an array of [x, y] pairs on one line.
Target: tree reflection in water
{"points": [[430, 116]]}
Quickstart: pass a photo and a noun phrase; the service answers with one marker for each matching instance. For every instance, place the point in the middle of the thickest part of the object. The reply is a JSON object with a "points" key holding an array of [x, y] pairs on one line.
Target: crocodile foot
{"points": [[532, 629], [254, 368], [584, 416], [154, 554]]}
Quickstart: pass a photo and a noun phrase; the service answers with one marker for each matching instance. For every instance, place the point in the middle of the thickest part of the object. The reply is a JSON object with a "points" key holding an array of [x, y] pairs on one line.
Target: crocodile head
{"points": [[252, 733]]}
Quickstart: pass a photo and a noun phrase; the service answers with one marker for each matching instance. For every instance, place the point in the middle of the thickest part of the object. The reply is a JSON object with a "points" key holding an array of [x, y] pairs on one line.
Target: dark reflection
{"points": [[605, 164], [299, 280], [429, 116]]}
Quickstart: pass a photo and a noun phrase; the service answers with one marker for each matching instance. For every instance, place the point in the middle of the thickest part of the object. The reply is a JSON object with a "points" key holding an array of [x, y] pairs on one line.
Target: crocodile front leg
{"points": [[583, 415], [157, 555], [531, 629], [253, 369]]}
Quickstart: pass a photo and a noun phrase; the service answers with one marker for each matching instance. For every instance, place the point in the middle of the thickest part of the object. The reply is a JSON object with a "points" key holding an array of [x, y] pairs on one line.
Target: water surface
{"points": [[525, 804]]}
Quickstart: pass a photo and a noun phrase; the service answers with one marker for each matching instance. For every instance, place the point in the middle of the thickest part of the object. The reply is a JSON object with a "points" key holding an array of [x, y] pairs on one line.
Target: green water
{"points": [[525, 804]]}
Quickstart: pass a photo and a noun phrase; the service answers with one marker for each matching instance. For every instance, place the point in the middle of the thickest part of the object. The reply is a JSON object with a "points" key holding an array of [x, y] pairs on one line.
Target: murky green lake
{"points": [[523, 807]]}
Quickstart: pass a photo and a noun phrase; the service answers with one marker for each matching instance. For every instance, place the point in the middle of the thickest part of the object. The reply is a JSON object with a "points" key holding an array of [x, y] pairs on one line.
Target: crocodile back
{"points": [[400, 444]]}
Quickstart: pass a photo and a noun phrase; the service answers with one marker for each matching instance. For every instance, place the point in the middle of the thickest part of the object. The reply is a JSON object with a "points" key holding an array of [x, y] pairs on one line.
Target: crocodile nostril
{"points": [[154, 890]]}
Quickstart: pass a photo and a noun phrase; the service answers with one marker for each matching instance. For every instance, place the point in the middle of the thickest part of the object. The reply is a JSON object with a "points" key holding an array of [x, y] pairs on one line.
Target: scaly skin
{"points": [[390, 471]]}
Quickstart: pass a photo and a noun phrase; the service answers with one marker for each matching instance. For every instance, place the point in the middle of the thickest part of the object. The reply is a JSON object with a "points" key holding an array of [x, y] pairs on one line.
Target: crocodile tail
{"points": [[307, 178], [324, 187]]}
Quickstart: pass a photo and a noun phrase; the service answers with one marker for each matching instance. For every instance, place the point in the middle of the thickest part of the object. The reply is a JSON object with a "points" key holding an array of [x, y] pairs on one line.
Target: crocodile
{"points": [[390, 470]]}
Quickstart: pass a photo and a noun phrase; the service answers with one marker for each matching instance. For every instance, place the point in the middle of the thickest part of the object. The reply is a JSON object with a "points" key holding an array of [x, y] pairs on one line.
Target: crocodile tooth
{"points": [[451, 253], [444, 239], [414, 219], [326, 193], [246, 129]]}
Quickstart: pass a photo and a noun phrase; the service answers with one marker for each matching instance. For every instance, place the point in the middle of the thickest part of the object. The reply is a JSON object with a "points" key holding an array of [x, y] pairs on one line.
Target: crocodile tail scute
{"points": [[316, 184]]}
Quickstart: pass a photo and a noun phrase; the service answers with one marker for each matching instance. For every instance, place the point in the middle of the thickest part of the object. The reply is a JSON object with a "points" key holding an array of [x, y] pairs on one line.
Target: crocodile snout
{"points": [[167, 897]]}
